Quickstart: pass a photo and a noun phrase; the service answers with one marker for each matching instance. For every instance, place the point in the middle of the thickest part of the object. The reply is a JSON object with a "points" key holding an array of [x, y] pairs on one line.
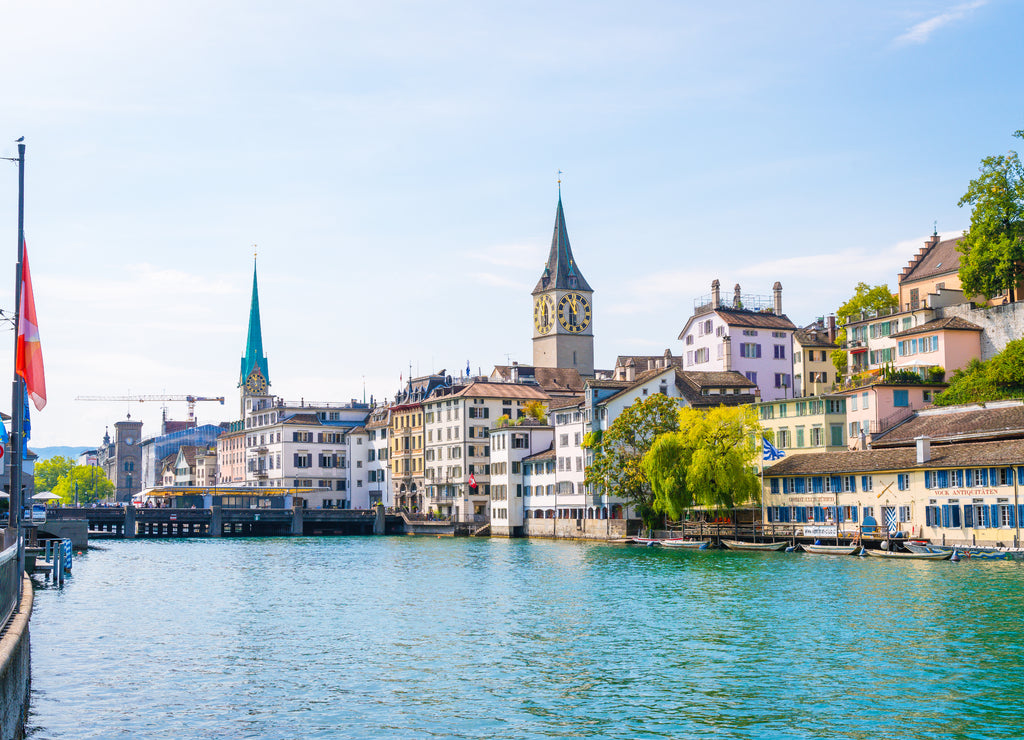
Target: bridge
{"points": [[130, 522]]}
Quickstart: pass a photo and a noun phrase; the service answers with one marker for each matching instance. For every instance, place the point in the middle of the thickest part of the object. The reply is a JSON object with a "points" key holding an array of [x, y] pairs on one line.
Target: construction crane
{"points": [[190, 400]]}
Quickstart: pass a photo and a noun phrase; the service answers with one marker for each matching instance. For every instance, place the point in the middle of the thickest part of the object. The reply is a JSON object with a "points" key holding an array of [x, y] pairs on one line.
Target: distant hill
{"points": [[45, 453]]}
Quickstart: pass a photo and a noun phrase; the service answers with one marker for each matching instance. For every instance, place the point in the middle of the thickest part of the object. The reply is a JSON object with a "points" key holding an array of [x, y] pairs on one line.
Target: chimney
{"points": [[716, 295], [630, 370], [777, 292], [924, 449], [832, 328], [668, 358], [736, 302], [727, 340], [515, 371]]}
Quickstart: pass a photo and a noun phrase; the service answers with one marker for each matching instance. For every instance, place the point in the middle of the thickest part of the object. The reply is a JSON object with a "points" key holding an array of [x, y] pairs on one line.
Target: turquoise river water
{"points": [[403, 637]]}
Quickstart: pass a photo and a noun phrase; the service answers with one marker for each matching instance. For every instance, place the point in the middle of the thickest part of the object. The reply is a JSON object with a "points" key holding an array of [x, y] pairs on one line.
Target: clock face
{"points": [[256, 384], [544, 314], [574, 313]]}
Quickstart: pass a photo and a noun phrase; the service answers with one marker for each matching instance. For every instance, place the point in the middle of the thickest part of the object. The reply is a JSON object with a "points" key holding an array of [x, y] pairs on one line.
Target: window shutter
{"points": [[853, 513], [985, 516], [1020, 476], [969, 516], [994, 520], [929, 520], [837, 483], [993, 477], [1012, 519], [945, 515], [297, 460]]}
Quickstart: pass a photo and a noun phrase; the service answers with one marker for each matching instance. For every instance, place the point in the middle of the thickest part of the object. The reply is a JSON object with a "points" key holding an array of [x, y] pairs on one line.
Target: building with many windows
{"points": [[808, 424], [750, 336], [814, 373]]}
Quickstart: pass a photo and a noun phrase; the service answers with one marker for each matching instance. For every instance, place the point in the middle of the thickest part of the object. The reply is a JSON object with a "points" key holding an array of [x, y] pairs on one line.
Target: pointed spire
{"points": [[254, 357], [561, 270]]}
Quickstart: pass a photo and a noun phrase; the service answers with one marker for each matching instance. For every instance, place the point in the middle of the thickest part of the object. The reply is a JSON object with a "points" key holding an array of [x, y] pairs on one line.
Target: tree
{"points": [[93, 485], [1001, 377], [536, 410], [709, 462], [49, 472], [865, 298], [618, 452], [992, 251]]}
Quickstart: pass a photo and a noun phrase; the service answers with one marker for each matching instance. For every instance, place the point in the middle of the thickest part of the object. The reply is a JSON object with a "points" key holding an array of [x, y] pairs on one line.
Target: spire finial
{"points": [[559, 183], [935, 232], [255, 251]]}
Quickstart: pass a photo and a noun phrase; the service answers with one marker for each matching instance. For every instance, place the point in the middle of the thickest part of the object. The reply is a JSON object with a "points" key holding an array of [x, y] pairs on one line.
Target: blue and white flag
{"points": [[771, 452]]}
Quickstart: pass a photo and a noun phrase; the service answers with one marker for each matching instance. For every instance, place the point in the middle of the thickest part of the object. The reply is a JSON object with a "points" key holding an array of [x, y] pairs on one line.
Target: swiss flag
{"points": [[472, 481]]}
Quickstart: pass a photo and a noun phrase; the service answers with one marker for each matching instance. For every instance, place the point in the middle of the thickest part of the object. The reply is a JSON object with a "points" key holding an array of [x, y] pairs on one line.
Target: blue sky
{"points": [[396, 164]]}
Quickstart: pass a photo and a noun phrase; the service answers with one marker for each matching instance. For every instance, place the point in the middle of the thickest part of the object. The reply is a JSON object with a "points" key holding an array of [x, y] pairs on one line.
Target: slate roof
{"points": [[484, 389], [692, 384], [745, 319], [555, 379], [997, 420], [648, 362], [973, 454], [953, 323], [556, 404], [561, 270], [548, 454], [814, 336], [303, 419], [940, 258]]}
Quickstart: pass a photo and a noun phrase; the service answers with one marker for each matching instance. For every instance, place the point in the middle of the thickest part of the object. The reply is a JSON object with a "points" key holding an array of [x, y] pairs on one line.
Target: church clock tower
{"points": [[254, 377], [563, 330]]}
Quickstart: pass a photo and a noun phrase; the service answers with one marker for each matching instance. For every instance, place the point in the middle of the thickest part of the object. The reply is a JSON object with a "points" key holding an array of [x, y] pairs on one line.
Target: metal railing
{"points": [[10, 582]]}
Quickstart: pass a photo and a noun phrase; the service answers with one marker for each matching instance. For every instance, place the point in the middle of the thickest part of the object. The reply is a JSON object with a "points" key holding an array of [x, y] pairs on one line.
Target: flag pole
{"points": [[18, 391]]}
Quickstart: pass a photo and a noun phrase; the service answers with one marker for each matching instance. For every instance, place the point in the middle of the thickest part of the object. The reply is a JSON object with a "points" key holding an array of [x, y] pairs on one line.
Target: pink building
{"points": [[947, 343], [875, 408]]}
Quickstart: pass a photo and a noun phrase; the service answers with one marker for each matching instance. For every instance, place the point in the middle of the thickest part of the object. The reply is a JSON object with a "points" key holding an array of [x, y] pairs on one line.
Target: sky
{"points": [[395, 165]]}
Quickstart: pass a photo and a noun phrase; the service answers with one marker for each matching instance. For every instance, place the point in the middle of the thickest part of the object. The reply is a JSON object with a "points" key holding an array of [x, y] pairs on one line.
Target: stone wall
{"points": [[1000, 324], [15, 661], [580, 529]]}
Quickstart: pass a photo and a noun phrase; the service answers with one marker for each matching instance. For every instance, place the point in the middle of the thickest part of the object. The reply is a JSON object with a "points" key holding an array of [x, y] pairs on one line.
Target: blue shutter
{"points": [[943, 478], [984, 476], [993, 477], [1020, 514], [945, 515], [837, 482], [774, 485], [1020, 475], [985, 517], [994, 521], [968, 516], [929, 520], [1013, 522], [853, 513], [840, 514], [927, 479]]}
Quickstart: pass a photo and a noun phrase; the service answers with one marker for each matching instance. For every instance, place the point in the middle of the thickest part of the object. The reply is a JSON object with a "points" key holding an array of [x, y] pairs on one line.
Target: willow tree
{"points": [[709, 462], [992, 251], [618, 451]]}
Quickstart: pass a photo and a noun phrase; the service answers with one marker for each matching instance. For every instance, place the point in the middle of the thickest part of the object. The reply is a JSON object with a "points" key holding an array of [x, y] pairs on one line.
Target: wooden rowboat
{"points": [[687, 544], [831, 549], [910, 555], [761, 546]]}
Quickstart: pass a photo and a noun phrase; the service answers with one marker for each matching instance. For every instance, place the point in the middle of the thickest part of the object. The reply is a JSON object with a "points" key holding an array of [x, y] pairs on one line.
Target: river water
{"points": [[454, 638]]}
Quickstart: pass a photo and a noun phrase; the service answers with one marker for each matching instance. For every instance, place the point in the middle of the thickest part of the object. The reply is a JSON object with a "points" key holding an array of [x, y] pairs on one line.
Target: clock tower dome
{"points": [[563, 329]]}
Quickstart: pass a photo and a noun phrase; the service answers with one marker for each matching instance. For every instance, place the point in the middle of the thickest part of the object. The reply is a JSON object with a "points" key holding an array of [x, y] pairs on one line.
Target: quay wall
{"points": [[578, 529], [15, 663]]}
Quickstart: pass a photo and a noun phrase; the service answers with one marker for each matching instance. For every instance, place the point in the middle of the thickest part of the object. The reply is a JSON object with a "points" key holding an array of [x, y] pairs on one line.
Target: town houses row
{"points": [[508, 447]]}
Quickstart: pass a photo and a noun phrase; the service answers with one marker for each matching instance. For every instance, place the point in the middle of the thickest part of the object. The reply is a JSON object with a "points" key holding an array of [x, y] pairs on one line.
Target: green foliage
{"points": [[93, 485], [617, 467], [839, 359], [592, 439], [992, 251], [503, 421], [903, 377], [1002, 377], [536, 410], [709, 462], [49, 472]]}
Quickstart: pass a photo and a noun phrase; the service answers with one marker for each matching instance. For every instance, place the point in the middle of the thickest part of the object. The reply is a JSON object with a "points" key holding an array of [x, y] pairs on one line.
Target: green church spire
{"points": [[254, 357]]}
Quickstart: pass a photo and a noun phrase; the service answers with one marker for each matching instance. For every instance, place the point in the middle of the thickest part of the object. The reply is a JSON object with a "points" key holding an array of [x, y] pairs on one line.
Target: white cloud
{"points": [[921, 32]]}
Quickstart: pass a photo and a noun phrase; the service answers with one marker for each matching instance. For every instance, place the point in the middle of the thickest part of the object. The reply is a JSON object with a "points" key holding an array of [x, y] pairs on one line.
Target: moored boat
{"points": [[830, 549], [687, 544], [910, 555], [761, 546], [645, 541]]}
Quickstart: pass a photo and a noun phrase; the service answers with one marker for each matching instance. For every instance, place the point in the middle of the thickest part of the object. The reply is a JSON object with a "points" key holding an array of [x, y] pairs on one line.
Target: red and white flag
{"points": [[28, 361], [472, 481]]}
